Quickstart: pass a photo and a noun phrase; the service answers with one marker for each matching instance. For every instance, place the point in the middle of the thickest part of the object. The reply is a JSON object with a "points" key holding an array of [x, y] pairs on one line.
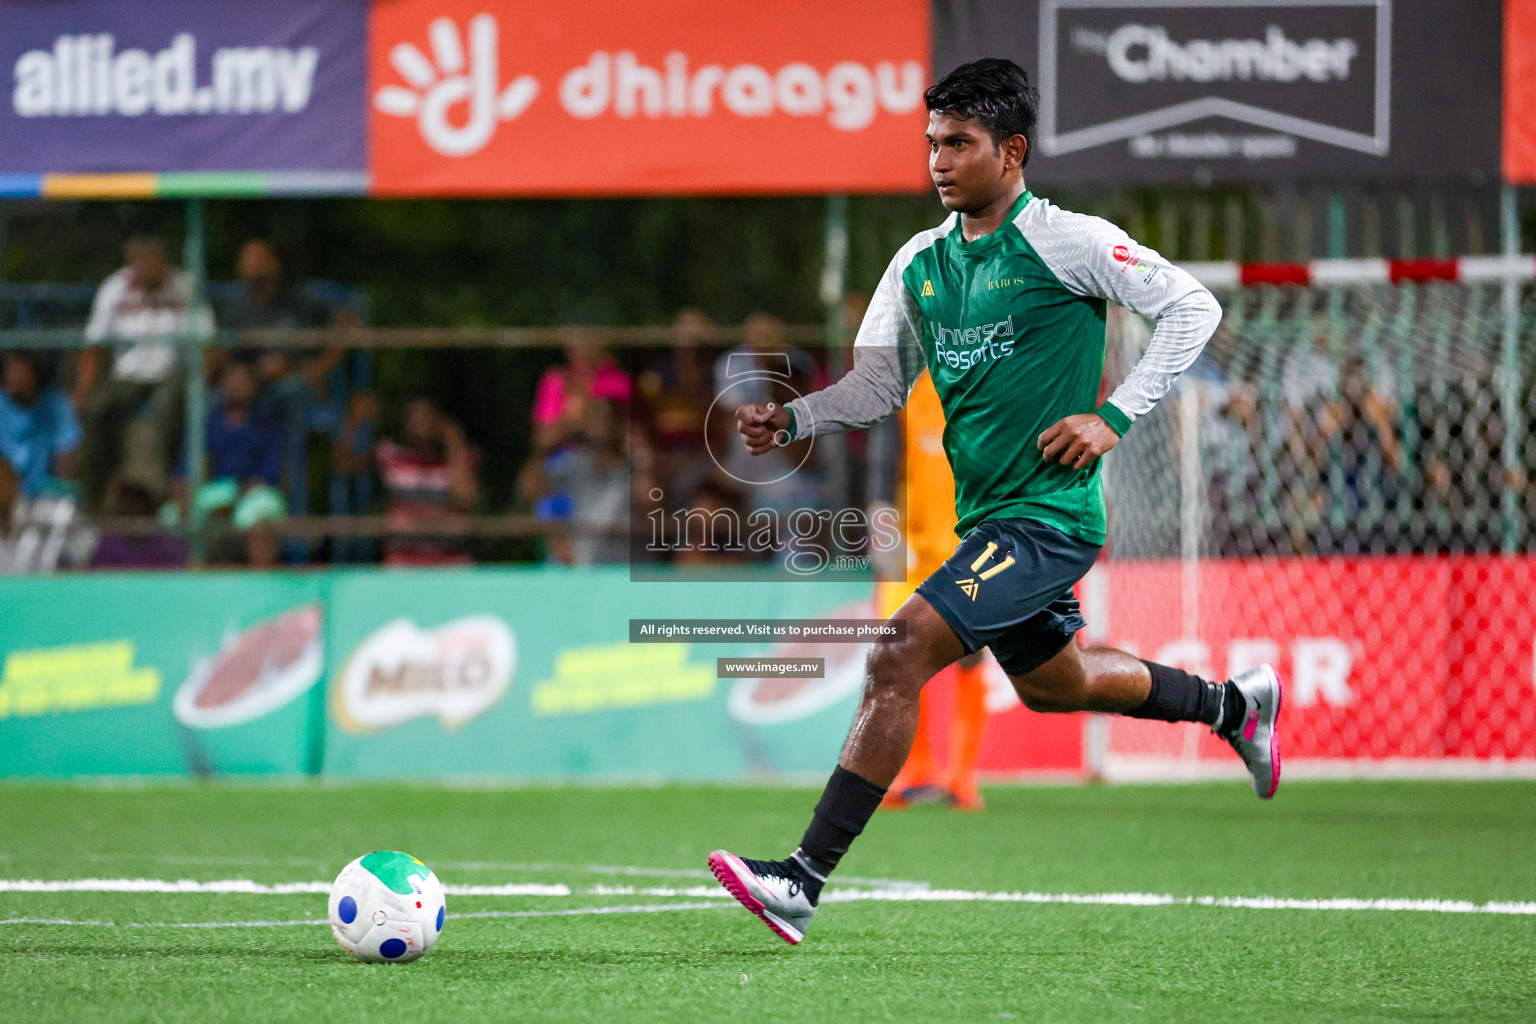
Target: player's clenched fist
{"points": [[1077, 440], [761, 426]]}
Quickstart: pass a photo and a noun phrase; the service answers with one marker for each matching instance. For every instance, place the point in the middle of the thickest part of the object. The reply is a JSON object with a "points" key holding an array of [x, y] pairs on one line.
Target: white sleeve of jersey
{"points": [[1091, 256], [887, 358]]}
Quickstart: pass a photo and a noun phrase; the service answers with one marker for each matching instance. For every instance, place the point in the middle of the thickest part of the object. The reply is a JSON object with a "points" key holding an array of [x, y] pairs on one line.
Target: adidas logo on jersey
{"points": [[927, 288]]}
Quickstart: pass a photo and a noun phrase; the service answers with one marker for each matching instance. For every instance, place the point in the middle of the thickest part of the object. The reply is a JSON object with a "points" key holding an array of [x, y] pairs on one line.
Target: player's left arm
{"points": [[1091, 256]]}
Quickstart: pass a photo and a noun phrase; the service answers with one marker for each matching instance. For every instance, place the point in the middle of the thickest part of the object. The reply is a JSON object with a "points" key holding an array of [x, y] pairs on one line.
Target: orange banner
{"points": [[595, 97], [1520, 92]]}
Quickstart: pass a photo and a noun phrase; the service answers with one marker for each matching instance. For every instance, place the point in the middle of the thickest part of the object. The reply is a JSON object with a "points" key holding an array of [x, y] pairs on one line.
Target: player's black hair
{"points": [[994, 91]]}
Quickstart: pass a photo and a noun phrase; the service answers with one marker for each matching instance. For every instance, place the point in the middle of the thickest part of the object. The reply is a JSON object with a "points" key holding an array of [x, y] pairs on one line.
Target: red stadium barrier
{"points": [[1389, 663]]}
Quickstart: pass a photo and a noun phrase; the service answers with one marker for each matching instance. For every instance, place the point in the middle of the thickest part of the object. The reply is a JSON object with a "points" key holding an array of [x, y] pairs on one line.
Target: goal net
{"points": [[1340, 487]]}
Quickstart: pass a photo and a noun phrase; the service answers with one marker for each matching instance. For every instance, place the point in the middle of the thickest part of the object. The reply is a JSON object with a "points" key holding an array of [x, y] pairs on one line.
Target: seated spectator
{"points": [[585, 486], [244, 443], [677, 394], [563, 392], [130, 549], [714, 528], [132, 415], [38, 430], [268, 301], [430, 475], [241, 528]]}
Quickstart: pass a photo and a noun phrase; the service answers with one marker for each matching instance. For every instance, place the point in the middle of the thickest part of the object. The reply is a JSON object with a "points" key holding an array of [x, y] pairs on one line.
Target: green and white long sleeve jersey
{"points": [[1011, 327]]}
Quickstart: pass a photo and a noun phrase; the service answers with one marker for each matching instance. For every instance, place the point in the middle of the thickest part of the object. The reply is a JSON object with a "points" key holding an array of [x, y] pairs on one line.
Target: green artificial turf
{"points": [[905, 961]]}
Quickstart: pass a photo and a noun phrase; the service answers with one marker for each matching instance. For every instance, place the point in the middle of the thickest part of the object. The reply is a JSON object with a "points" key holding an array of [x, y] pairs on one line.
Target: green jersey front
{"points": [[1011, 328]]}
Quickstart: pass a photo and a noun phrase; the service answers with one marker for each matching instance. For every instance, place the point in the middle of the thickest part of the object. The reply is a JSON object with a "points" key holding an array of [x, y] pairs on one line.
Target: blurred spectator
{"points": [[130, 550], [241, 527], [244, 443], [712, 526], [677, 394], [585, 485], [560, 400], [42, 533], [430, 475], [268, 301], [1458, 455], [1363, 463], [133, 414], [38, 430], [765, 367]]}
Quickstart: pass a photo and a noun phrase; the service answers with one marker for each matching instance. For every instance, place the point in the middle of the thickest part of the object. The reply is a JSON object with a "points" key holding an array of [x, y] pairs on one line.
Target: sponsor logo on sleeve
{"points": [[1132, 262]]}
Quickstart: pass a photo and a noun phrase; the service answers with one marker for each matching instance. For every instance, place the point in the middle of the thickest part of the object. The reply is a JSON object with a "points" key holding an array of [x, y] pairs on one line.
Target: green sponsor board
{"points": [[96, 668], [420, 681], [505, 673]]}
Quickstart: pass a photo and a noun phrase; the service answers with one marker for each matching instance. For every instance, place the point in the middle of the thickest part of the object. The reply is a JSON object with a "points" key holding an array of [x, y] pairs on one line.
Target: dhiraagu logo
{"points": [[456, 74], [964, 347]]}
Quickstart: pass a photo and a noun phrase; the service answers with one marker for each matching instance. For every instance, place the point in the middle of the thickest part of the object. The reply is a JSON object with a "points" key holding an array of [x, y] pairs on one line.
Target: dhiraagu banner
{"points": [[504, 673]]}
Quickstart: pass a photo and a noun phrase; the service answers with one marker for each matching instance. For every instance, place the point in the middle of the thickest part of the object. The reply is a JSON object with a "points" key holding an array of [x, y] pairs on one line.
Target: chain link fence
{"points": [[1340, 487]]}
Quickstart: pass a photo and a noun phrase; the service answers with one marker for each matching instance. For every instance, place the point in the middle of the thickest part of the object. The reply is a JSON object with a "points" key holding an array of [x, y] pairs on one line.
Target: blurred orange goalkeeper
{"points": [[930, 503]]}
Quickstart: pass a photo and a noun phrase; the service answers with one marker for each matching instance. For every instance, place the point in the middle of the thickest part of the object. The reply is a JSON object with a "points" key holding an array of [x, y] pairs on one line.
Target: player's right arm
{"points": [[887, 360]]}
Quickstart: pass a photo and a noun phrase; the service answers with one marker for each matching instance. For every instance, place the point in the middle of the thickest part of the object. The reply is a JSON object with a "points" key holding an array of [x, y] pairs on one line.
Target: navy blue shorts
{"points": [[1008, 586]]}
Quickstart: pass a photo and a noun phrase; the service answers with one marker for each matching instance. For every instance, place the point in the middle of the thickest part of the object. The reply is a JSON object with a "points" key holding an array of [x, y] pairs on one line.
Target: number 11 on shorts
{"points": [[981, 560]]}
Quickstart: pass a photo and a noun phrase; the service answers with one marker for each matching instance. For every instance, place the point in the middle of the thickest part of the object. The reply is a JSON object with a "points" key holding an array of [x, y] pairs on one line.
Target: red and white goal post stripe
{"points": [[1323, 272]]}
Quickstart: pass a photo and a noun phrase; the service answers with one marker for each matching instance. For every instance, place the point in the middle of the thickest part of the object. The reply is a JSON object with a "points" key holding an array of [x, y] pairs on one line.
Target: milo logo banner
{"points": [[527, 673], [1206, 90]]}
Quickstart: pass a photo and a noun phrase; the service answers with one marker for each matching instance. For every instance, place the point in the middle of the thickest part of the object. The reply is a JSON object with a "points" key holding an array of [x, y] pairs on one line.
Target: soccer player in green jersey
{"points": [[1003, 305]]}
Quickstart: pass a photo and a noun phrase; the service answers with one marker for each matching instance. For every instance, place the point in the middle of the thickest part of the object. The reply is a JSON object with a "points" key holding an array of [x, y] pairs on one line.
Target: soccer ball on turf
{"points": [[387, 907]]}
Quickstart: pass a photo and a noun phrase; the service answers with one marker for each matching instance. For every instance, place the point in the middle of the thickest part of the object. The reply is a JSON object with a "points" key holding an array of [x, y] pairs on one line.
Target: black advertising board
{"points": [[1241, 90]]}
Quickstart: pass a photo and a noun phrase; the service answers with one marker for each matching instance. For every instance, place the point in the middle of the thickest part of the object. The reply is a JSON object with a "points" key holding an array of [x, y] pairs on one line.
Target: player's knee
{"points": [[887, 671]]}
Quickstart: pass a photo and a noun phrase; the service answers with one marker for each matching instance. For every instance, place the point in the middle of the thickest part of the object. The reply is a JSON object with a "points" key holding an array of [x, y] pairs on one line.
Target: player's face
{"points": [[970, 170]]}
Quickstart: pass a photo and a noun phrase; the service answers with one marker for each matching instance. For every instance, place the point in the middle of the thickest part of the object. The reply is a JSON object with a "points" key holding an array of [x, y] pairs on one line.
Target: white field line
{"points": [[836, 895], [505, 867], [654, 908], [244, 886]]}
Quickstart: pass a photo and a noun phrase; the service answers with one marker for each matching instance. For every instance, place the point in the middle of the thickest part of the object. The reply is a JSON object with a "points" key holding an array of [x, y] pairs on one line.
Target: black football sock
{"points": [[1178, 696], [845, 807], [1232, 708]]}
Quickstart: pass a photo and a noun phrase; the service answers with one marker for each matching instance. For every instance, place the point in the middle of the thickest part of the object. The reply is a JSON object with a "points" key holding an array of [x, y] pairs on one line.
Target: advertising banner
{"points": [[160, 674], [1520, 91], [99, 86], [530, 674], [1228, 90], [487, 97], [1384, 658]]}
